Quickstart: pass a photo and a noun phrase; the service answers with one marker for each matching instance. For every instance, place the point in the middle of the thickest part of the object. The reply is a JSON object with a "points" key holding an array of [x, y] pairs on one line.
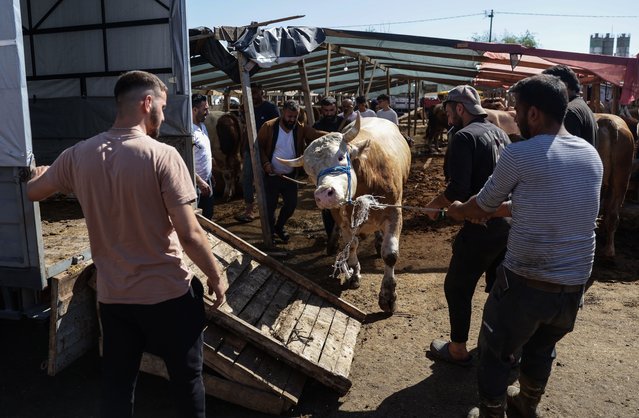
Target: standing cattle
{"points": [[370, 158], [505, 119], [225, 135], [437, 125], [616, 147]]}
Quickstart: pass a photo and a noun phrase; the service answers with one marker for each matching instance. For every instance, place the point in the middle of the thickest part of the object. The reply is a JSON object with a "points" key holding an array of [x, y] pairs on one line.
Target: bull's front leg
{"points": [[352, 261], [390, 255]]}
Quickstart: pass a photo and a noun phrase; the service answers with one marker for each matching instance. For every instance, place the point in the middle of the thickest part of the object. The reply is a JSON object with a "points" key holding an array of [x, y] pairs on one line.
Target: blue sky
{"points": [[560, 33]]}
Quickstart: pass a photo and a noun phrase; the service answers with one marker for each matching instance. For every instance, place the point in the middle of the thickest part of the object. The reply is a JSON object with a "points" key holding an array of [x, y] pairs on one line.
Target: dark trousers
{"points": [[519, 317], [476, 249], [171, 330], [274, 187], [206, 202]]}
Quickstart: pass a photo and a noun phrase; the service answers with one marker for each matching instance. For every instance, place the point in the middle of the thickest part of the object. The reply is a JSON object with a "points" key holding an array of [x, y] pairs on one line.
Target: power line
{"points": [[564, 15], [409, 21]]}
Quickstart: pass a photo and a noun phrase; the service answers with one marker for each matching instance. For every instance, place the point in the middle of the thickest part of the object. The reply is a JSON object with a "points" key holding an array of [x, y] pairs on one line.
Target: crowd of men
{"points": [[518, 203]]}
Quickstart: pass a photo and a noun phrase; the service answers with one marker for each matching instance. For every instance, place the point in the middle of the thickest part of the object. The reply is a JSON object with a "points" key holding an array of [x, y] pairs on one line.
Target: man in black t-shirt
{"points": [[579, 119], [472, 155]]}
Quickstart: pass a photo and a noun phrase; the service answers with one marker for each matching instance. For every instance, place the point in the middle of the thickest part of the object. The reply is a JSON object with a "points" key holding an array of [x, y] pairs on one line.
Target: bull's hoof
{"points": [[354, 282], [388, 305]]}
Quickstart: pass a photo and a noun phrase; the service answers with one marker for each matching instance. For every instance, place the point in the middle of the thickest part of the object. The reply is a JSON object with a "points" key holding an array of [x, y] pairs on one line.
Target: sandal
{"points": [[244, 218], [439, 351]]}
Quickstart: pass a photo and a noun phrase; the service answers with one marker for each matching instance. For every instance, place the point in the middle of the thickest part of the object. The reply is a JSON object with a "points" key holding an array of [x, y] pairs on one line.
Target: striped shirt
{"points": [[555, 183]]}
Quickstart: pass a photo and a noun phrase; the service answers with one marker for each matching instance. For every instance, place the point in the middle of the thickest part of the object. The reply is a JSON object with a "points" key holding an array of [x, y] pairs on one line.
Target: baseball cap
{"points": [[468, 96]]}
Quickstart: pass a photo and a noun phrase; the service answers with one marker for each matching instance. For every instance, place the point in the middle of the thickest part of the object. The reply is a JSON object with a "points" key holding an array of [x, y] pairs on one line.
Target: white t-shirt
{"points": [[389, 115], [285, 149], [350, 117], [202, 152], [368, 113]]}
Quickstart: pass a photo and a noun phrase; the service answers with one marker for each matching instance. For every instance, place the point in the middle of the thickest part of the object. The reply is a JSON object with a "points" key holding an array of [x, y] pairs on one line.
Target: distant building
{"points": [[605, 44]]}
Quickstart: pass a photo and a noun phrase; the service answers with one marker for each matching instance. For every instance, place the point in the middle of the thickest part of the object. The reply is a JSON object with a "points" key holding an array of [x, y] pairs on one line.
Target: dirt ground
{"points": [[596, 372]]}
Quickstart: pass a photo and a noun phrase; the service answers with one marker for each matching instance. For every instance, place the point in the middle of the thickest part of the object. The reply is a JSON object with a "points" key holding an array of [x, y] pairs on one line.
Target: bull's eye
{"points": [[340, 158]]}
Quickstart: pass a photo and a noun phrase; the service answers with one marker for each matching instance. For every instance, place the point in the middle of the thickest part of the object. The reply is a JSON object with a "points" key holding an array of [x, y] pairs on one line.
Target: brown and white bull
{"points": [[370, 158], [225, 136]]}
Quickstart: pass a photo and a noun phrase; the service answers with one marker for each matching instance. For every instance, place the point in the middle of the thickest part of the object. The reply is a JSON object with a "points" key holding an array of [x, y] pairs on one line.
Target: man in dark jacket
{"points": [[286, 138]]}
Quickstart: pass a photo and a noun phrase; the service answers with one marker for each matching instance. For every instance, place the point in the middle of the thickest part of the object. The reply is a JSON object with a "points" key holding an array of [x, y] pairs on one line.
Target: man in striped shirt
{"points": [[551, 246]]}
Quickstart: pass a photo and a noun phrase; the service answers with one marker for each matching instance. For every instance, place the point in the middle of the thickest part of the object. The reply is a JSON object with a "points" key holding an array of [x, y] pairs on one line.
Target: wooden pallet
{"points": [[276, 310]]}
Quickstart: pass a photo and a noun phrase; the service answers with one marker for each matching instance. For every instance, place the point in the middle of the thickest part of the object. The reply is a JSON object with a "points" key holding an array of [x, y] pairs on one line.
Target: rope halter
{"points": [[339, 169]]}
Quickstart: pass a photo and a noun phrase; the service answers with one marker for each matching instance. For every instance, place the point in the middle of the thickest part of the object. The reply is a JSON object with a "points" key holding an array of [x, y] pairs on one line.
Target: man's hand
{"points": [[268, 168], [38, 171], [205, 190], [219, 287], [455, 211]]}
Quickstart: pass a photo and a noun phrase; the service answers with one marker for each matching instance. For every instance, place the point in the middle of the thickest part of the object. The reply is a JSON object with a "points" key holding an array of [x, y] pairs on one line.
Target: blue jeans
{"points": [[172, 330], [519, 317], [206, 202]]}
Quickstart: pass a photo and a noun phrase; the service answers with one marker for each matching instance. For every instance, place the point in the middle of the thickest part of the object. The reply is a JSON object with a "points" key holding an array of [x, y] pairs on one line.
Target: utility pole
{"points": [[490, 32]]}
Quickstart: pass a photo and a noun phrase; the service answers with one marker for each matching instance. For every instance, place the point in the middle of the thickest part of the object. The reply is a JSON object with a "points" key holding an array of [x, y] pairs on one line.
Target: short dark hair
{"points": [[546, 92], [137, 80], [196, 99], [291, 105], [565, 74], [256, 86], [360, 99], [328, 101], [383, 97]]}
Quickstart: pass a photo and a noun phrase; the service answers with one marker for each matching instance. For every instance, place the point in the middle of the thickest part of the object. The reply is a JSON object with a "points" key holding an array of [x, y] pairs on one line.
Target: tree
{"points": [[527, 38]]}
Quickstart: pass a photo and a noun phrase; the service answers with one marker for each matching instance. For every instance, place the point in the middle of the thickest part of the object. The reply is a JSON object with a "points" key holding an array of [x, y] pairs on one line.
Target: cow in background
{"points": [[616, 148], [370, 158], [225, 135], [494, 103], [505, 119], [437, 124]]}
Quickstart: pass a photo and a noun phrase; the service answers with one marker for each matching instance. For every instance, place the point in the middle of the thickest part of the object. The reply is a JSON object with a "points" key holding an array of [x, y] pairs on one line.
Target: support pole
{"points": [[596, 97], [370, 81], [308, 103], [249, 117], [327, 85], [388, 82], [362, 74], [417, 83]]}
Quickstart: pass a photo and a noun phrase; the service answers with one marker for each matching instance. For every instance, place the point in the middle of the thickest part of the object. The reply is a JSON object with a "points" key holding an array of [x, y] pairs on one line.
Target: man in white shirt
{"points": [[386, 112], [362, 108], [203, 159], [347, 111]]}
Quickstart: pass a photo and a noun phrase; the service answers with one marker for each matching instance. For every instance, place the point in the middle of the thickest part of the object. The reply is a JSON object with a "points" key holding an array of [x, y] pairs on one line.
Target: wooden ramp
{"points": [[277, 327]]}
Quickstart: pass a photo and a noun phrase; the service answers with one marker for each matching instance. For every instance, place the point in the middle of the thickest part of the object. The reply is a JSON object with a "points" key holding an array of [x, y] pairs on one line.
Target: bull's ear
{"points": [[296, 162], [352, 133], [356, 151]]}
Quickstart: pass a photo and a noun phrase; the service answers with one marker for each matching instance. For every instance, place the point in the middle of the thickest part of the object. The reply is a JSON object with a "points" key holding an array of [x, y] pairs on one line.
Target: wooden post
{"points": [[249, 117], [388, 81], [370, 81], [596, 97], [327, 85], [614, 108], [308, 103], [409, 121], [417, 83], [362, 74]]}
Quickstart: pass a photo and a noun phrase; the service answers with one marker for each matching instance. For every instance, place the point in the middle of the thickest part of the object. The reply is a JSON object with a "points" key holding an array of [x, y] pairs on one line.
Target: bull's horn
{"points": [[352, 133], [295, 162]]}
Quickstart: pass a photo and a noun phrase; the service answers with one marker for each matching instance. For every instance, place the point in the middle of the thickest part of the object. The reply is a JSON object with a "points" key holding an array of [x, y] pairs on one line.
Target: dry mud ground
{"points": [[596, 372]]}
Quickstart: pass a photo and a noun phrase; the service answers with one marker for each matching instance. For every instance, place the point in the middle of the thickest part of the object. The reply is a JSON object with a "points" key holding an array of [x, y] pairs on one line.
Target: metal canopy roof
{"points": [[404, 58]]}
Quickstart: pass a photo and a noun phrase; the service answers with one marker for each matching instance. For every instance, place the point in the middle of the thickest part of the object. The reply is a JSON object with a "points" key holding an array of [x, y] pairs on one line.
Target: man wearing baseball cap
{"points": [[472, 155]]}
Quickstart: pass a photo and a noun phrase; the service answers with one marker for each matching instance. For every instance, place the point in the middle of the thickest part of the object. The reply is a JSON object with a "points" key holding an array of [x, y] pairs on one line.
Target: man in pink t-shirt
{"points": [[136, 195]]}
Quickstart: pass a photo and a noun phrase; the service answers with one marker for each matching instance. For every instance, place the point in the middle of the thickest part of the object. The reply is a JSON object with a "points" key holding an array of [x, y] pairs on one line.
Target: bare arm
{"points": [[195, 245], [437, 203], [470, 210], [39, 188]]}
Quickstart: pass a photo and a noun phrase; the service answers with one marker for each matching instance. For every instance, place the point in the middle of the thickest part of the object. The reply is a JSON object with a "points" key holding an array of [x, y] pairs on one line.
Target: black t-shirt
{"points": [[580, 121], [264, 112], [472, 155], [325, 125]]}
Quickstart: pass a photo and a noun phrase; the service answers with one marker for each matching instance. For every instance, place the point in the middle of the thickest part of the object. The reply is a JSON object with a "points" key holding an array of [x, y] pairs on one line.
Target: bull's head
{"points": [[327, 161]]}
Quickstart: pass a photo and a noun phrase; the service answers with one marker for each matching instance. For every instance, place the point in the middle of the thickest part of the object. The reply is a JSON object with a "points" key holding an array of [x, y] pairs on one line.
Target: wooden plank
{"points": [[285, 322], [266, 324], [258, 304], [343, 366], [333, 343], [73, 325], [319, 334], [301, 334], [263, 258], [243, 289], [308, 103], [274, 347], [245, 396]]}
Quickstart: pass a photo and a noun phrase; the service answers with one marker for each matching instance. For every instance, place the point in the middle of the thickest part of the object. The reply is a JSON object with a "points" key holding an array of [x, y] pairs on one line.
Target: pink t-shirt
{"points": [[125, 183]]}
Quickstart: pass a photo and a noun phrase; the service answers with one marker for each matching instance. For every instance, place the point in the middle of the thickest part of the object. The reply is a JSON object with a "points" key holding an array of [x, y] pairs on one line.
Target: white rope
{"points": [[361, 208]]}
